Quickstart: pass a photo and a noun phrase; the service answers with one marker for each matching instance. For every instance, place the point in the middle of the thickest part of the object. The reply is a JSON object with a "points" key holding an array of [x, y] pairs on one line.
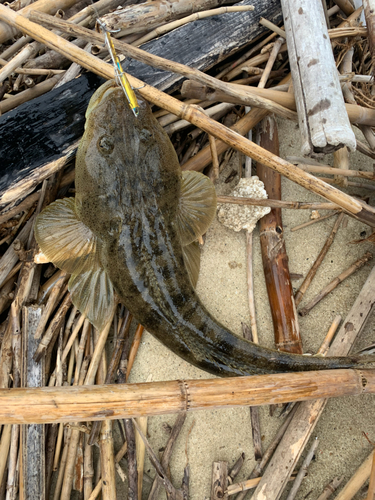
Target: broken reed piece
{"points": [[335, 282], [165, 28], [323, 349], [308, 413], [323, 169], [274, 256], [369, 11], [330, 488], [219, 481], [85, 403], [323, 120], [371, 486], [358, 479], [357, 209], [303, 470], [310, 275], [134, 349], [313, 221]]}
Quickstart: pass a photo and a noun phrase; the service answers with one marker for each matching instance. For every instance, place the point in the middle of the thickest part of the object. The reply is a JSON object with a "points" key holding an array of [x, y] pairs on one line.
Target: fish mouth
{"points": [[99, 95]]}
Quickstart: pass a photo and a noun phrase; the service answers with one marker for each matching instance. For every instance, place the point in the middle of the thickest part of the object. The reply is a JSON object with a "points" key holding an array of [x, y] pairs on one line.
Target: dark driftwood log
{"points": [[39, 132]]}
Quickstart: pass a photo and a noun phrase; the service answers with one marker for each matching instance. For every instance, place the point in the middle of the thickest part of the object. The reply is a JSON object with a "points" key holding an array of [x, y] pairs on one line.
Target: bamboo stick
{"points": [[71, 404], [335, 282], [310, 275], [323, 350], [359, 210], [371, 486], [330, 488]]}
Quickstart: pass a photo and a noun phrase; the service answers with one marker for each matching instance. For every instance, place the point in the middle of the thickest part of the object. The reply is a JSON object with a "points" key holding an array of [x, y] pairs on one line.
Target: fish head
{"points": [[123, 162]]}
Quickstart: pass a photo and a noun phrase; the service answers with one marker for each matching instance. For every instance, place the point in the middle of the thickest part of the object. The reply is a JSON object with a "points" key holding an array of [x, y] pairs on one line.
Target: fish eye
{"points": [[105, 144], [145, 134]]}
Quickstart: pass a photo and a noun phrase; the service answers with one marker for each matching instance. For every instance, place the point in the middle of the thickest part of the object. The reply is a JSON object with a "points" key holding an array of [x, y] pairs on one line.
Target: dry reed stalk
{"points": [[359, 210], [67, 481], [314, 221], [180, 420], [114, 363], [252, 62], [214, 174], [88, 470], [99, 346], [357, 480], [335, 282], [50, 336], [26, 53], [39, 71], [140, 451], [46, 288], [170, 489], [107, 461], [323, 350], [50, 305], [310, 275], [346, 6], [50, 404], [298, 205], [272, 27], [215, 112], [27, 95], [4, 448], [62, 465], [323, 169], [165, 28], [245, 56], [12, 481], [134, 349]]}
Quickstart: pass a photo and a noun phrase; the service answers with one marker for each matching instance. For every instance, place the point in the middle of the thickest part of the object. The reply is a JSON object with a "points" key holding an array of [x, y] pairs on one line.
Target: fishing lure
{"points": [[121, 78]]}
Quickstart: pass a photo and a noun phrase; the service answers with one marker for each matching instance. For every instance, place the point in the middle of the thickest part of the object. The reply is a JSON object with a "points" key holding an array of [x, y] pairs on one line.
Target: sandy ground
{"points": [[209, 436]]}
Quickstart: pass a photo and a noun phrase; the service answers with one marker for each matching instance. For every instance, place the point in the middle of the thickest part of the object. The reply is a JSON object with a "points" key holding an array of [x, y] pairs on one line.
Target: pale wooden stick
{"points": [[313, 221], [4, 448], [303, 470], [260, 202], [323, 169], [310, 275], [335, 282], [19, 59], [165, 28], [359, 210], [357, 480], [134, 349]]}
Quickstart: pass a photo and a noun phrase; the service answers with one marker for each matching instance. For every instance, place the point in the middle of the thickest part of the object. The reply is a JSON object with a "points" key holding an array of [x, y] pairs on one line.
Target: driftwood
{"points": [[82, 403], [33, 435], [358, 209], [323, 121]]}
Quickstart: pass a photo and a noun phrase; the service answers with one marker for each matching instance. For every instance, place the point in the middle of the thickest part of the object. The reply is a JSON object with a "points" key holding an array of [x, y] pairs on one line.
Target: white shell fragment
{"points": [[238, 217]]}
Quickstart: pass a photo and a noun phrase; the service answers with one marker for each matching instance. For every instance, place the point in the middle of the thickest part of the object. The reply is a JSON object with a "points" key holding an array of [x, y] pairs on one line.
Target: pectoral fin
{"points": [[70, 245], [197, 206]]}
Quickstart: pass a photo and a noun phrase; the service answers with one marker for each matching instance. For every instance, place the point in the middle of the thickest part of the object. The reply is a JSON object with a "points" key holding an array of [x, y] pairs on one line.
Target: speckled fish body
{"points": [[128, 187]]}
